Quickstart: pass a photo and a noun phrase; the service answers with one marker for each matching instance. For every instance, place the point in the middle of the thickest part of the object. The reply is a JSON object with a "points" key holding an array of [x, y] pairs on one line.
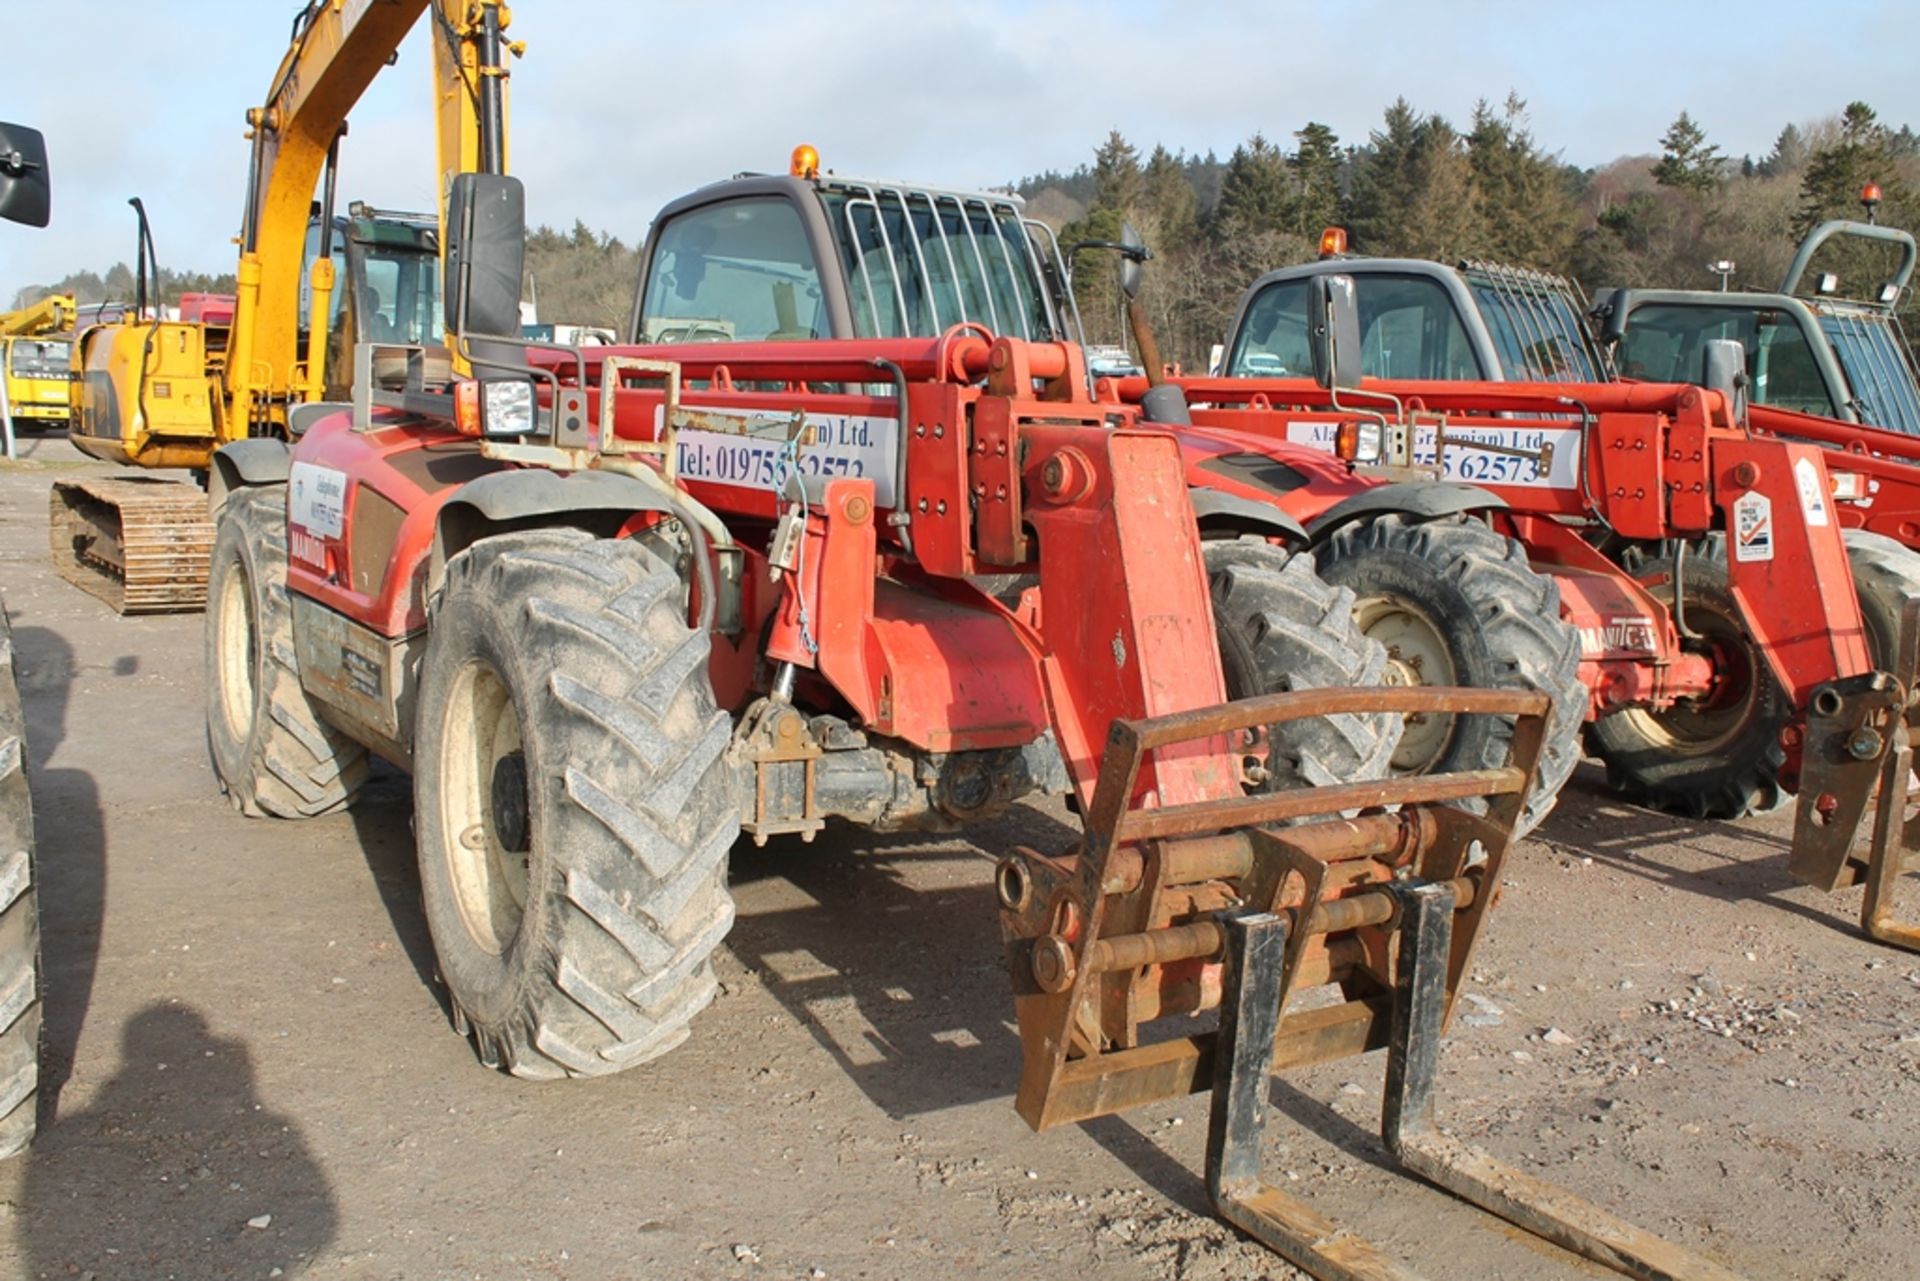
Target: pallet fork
{"points": [[1380, 887], [1866, 726]]}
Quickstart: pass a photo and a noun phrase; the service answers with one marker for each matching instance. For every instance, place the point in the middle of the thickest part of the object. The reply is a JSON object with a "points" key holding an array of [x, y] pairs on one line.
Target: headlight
{"points": [[507, 408], [1358, 441]]}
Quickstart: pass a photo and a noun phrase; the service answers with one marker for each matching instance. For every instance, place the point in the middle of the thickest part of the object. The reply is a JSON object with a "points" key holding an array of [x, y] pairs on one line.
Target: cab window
{"points": [[1408, 329], [742, 271], [1665, 342]]}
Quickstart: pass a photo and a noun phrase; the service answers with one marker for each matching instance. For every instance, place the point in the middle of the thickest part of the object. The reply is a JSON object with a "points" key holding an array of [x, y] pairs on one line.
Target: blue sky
{"points": [[622, 104]]}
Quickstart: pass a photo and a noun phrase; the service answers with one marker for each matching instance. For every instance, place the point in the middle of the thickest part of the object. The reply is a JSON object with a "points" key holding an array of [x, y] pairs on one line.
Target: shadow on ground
{"points": [[175, 1169]]}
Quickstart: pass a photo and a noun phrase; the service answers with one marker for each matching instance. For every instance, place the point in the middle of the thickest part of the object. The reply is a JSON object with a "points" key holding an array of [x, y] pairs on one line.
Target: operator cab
{"points": [[1423, 320], [386, 289], [763, 258]]}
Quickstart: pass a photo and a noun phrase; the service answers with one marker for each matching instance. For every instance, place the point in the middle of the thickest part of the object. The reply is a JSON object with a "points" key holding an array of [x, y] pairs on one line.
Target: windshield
{"points": [[1535, 324], [920, 262], [1873, 354], [40, 357], [1666, 342], [1409, 328]]}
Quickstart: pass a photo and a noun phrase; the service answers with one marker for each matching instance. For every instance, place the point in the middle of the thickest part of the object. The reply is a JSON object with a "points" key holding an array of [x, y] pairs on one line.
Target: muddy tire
{"points": [[19, 922], [1455, 603], [273, 754], [1886, 575], [573, 804], [1281, 628], [1714, 758]]}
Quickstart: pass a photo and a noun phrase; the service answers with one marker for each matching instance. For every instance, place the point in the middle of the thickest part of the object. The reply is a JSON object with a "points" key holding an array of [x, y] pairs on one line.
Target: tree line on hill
{"points": [[1417, 187], [1421, 188]]}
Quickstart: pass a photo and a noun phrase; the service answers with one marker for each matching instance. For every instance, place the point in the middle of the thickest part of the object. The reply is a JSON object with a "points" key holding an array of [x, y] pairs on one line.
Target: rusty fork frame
{"points": [[1386, 902], [1857, 728]]}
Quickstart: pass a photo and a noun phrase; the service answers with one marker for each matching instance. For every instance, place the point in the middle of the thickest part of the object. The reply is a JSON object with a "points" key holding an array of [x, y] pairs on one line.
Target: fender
{"points": [[596, 500], [1219, 511], [260, 461], [1424, 500]]}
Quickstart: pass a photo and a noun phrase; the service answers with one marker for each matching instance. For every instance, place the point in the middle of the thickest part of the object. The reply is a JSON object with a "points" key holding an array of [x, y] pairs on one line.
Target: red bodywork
{"points": [[1644, 462], [1887, 462], [905, 642]]}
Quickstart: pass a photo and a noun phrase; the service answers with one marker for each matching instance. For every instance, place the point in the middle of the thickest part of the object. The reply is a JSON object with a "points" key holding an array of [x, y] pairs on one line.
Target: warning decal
{"points": [[317, 502], [1813, 497], [1752, 527]]}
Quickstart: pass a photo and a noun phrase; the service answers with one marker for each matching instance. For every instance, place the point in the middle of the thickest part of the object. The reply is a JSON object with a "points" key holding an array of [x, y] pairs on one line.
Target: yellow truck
{"points": [[36, 350]]}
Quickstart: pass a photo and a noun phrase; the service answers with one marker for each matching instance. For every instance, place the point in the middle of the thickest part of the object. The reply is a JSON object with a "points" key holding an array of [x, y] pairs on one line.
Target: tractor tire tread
{"points": [[641, 812]]}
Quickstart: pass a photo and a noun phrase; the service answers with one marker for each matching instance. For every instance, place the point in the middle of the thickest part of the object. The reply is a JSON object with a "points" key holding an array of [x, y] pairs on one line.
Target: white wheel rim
{"points": [[237, 671], [1417, 654], [487, 843]]}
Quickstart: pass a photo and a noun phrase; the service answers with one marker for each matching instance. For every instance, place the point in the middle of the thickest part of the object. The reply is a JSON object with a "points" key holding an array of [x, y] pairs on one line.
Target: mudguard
{"points": [[1424, 500], [1218, 510], [262, 461], [509, 497]]}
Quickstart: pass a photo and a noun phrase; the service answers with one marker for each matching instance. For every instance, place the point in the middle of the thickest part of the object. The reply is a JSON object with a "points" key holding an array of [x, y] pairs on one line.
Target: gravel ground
{"points": [[251, 1072]]}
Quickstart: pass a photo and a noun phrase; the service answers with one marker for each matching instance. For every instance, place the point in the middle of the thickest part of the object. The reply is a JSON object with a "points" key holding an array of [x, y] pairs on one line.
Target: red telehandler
{"points": [[550, 585], [1703, 564]]}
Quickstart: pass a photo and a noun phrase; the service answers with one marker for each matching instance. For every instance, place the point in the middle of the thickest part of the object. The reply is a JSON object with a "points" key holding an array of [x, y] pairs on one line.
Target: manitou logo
{"points": [[1625, 634]]}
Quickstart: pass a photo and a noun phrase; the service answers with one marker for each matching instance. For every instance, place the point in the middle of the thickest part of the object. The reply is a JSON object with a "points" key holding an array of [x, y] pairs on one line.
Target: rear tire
{"points": [[1457, 604], [20, 981], [1281, 628], [273, 754], [573, 803], [1716, 760]]}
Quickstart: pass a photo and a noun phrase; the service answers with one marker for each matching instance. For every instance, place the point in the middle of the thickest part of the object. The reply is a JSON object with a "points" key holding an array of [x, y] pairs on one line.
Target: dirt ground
{"points": [[252, 1074]]}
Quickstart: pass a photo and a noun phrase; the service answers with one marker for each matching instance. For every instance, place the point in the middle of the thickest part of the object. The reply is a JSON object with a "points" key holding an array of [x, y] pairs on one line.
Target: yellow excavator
{"points": [[159, 393], [36, 365]]}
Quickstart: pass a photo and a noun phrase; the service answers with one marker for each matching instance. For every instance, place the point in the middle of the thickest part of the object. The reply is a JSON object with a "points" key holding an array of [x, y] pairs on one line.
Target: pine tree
{"points": [[1170, 201], [1256, 193], [1688, 162], [1116, 175], [1863, 153], [1525, 210], [1383, 181], [1315, 168], [1788, 155], [1443, 219]]}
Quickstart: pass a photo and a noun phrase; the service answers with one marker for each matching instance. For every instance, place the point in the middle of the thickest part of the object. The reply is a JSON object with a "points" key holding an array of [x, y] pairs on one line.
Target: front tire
{"points": [[20, 983], [273, 754], [1455, 603], [1281, 628], [572, 802]]}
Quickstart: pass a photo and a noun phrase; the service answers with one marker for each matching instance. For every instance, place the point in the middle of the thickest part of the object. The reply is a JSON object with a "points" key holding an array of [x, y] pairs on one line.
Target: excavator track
{"points": [[140, 544]]}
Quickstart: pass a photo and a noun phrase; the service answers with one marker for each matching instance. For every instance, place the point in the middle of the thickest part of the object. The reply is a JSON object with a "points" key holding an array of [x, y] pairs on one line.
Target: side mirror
{"points": [[1724, 369], [1609, 314], [26, 191], [486, 254], [1333, 332], [1133, 256]]}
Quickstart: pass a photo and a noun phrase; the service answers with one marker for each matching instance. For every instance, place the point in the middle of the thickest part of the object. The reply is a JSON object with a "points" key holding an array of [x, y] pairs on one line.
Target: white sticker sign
{"points": [[317, 500], [1813, 498], [1752, 527], [1478, 466], [832, 446]]}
